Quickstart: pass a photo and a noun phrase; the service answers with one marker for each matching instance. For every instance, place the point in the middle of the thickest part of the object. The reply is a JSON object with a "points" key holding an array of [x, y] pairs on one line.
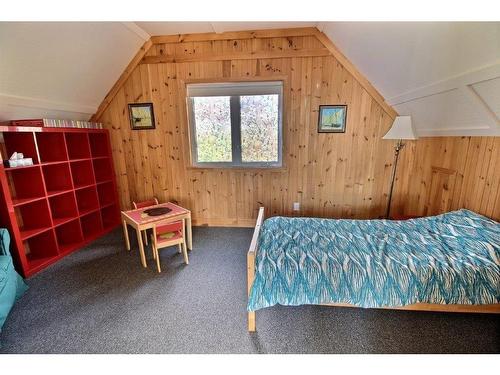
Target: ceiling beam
{"points": [[342, 59], [253, 34], [464, 79], [137, 30], [236, 56]]}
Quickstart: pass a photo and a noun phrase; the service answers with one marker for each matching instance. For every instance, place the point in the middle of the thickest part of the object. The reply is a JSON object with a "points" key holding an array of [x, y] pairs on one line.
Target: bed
{"points": [[449, 263]]}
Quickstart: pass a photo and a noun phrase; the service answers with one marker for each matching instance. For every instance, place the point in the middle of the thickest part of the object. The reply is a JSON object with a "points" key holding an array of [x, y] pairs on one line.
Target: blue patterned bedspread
{"points": [[452, 258]]}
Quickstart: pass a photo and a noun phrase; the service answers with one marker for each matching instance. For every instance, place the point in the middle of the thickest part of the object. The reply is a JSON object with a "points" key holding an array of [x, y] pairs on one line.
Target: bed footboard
{"points": [[252, 251]]}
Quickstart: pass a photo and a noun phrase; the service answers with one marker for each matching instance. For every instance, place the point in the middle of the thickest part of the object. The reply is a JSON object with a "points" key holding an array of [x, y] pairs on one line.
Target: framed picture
{"points": [[332, 118], [141, 116]]}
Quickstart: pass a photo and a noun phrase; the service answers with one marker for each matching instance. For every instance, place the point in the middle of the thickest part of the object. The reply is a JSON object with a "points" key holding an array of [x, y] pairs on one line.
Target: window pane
{"points": [[259, 128], [212, 117]]}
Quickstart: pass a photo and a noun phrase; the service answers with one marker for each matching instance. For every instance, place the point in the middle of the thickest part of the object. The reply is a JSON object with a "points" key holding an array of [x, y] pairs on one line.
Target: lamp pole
{"points": [[397, 149]]}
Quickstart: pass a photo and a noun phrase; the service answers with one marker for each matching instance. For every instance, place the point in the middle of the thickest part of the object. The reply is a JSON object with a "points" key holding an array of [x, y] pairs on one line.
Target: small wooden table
{"points": [[141, 221]]}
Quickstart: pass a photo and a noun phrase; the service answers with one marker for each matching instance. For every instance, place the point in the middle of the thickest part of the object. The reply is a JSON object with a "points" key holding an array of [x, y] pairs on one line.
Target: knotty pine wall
{"points": [[331, 175], [436, 175]]}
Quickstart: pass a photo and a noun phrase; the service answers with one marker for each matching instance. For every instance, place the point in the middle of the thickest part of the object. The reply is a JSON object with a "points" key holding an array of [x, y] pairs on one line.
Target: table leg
{"points": [[189, 233], [125, 233], [141, 248]]}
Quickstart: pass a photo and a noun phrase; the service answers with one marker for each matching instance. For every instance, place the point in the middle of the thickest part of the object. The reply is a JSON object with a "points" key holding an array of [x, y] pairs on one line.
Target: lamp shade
{"points": [[402, 128]]}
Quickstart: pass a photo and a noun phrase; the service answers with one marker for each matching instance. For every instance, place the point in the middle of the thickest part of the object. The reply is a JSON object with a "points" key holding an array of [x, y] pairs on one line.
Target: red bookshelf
{"points": [[65, 200]]}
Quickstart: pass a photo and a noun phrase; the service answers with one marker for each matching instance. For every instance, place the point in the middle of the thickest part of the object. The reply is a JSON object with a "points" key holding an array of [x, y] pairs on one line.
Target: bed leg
{"points": [[251, 265], [251, 321]]}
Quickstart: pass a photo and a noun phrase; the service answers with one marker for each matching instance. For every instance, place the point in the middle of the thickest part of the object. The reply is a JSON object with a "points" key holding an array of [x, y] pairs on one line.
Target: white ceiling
{"points": [[445, 75], [59, 70]]}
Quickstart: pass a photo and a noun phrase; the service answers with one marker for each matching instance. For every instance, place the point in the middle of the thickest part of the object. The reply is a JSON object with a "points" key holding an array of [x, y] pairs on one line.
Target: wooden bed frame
{"points": [[252, 251]]}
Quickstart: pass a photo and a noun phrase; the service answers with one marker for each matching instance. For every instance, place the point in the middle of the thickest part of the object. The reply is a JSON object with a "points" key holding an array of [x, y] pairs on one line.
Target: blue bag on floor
{"points": [[12, 285]]}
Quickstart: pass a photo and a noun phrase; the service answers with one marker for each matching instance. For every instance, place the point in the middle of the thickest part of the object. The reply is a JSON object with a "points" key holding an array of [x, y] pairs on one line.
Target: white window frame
{"points": [[234, 90]]}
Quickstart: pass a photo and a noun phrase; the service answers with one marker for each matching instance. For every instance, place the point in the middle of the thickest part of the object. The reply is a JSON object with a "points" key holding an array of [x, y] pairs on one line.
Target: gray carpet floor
{"points": [[100, 300]]}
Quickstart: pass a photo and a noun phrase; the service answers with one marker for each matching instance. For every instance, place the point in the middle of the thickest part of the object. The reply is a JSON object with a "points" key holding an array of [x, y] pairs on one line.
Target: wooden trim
{"points": [[252, 34], [349, 66], [284, 127], [481, 309], [252, 251], [123, 78], [222, 222], [318, 52], [284, 79]]}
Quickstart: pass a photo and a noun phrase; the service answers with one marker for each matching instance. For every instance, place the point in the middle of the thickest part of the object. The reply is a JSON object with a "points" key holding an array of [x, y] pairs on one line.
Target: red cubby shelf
{"points": [[82, 172], [78, 145], [102, 169], [63, 208], [106, 193], [87, 200], [99, 144], [91, 224], [40, 249], [109, 216], [51, 146], [65, 200], [33, 218], [68, 236], [25, 185], [20, 142]]}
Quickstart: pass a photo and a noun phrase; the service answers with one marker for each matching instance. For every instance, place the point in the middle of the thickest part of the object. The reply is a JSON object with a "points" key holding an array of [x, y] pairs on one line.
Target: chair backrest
{"points": [[160, 228], [147, 203]]}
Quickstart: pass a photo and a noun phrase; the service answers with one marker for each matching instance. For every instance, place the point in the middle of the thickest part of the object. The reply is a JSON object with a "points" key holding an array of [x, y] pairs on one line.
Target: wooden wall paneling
{"points": [[333, 175], [492, 180], [474, 185], [442, 184], [316, 149], [114, 124]]}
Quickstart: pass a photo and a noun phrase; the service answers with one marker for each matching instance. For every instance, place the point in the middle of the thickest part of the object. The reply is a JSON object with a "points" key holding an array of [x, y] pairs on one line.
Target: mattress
{"points": [[452, 258]]}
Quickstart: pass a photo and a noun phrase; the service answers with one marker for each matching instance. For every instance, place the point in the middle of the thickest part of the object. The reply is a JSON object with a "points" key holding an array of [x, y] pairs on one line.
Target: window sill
{"points": [[238, 168]]}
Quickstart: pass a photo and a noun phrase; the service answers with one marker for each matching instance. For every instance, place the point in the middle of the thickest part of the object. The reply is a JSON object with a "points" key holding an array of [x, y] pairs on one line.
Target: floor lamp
{"points": [[402, 128]]}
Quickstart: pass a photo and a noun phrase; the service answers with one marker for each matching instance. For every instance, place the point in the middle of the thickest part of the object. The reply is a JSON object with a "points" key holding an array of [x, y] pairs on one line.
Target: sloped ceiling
{"points": [[61, 70], [445, 75]]}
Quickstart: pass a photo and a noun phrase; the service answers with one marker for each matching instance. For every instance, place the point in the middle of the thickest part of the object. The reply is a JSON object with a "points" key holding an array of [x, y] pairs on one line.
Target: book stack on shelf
{"points": [[66, 199], [57, 123]]}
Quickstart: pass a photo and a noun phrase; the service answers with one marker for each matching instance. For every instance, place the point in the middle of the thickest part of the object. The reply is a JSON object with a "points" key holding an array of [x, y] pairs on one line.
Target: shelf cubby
{"points": [[23, 142], [78, 145], [51, 147], [25, 184], [69, 235], [109, 216], [106, 193], [91, 225], [102, 170], [33, 218], [63, 208], [82, 173], [98, 144], [86, 200], [57, 178], [63, 201], [40, 249]]}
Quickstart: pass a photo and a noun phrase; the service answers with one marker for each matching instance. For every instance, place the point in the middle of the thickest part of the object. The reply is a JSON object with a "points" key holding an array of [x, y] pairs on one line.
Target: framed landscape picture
{"points": [[332, 118], [141, 116]]}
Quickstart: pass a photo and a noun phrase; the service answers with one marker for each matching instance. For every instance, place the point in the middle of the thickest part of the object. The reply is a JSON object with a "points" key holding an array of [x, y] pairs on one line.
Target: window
{"points": [[236, 124]]}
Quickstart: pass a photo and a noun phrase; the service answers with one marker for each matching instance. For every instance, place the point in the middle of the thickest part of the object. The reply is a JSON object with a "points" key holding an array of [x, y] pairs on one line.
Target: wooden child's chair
{"points": [[144, 204], [169, 234]]}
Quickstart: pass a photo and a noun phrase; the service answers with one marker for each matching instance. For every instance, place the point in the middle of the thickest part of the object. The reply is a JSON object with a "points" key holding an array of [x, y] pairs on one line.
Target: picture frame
{"points": [[332, 118], [141, 116]]}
